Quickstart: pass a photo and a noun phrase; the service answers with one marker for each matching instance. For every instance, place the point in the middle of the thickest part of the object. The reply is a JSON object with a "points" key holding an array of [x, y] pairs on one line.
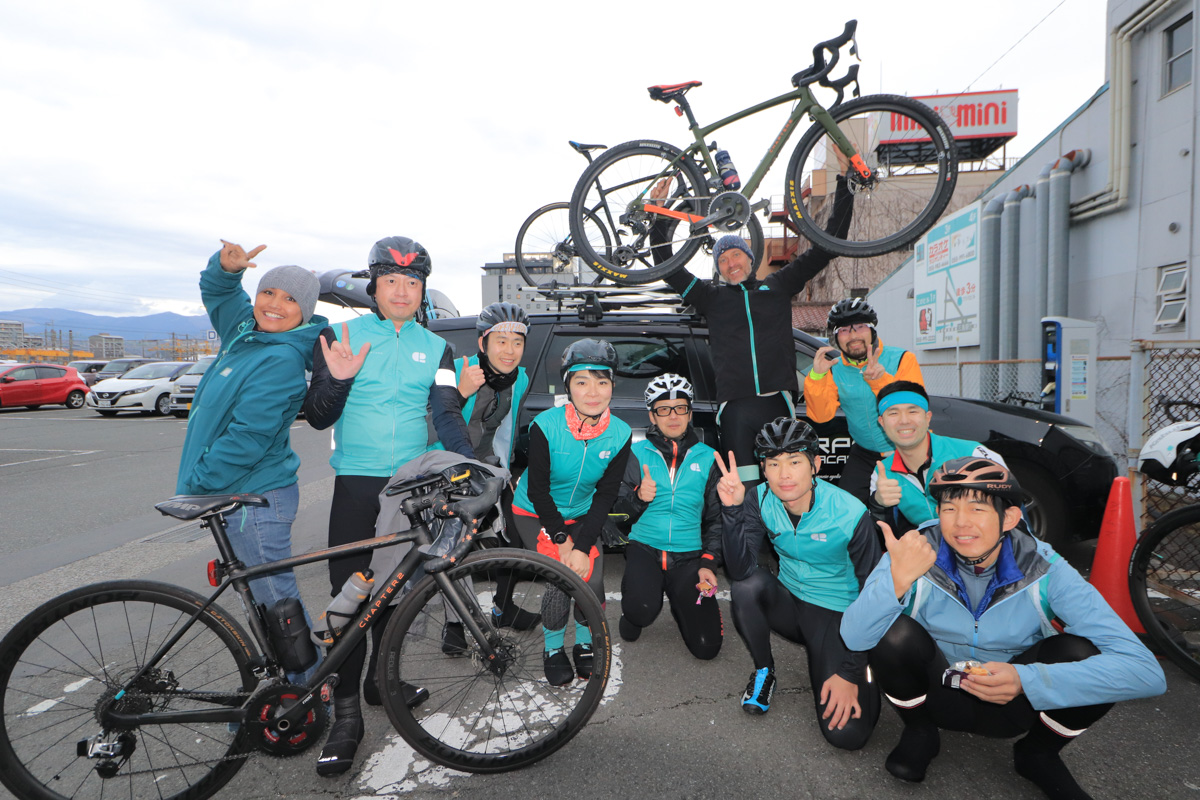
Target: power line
{"points": [[1010, 49]]}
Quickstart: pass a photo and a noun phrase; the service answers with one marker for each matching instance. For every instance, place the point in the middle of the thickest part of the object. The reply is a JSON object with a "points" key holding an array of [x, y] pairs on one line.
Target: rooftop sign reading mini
{"points": [[981, 123]]}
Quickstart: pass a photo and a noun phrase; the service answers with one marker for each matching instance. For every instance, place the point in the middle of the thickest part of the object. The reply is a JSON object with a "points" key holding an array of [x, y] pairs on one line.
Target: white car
{"points": [[146, 389], [185, 386]]}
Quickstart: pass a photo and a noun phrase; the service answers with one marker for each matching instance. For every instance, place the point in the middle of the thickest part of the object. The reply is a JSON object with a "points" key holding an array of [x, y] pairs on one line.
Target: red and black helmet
{"points": [[977, 474], [397, 254]]}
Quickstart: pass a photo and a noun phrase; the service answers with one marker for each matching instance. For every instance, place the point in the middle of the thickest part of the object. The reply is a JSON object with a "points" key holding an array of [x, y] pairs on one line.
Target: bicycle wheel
{"points": [[497, 717], [1164, 584], [914, 165], [645, 246], [63, 664], [545, 243]]}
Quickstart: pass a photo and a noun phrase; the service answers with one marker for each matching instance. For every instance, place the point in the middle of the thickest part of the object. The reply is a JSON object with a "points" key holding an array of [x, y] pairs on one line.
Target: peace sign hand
{"points": [[342, 361], [647, 488], [873, 371], [730, 488], [235, 259], [912, 555]]}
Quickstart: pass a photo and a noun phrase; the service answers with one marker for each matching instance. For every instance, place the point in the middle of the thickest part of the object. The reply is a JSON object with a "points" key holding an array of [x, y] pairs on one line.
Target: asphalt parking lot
{"points": [[76, 497]]}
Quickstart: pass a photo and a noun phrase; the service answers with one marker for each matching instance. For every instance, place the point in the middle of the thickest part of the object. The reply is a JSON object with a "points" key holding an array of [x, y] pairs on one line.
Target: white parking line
{"points": [[46, 705], [64, 454]]}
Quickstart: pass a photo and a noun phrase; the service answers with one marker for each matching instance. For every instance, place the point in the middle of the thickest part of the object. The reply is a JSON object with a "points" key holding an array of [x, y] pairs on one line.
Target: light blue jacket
{"points": [[1032, 585]]}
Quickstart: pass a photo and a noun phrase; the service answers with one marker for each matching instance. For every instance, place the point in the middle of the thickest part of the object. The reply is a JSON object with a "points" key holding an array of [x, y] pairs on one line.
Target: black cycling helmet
{"points": [[980, 475], [397, 254], [593, 354], [850, 311], [503, 317], [786, 435]]}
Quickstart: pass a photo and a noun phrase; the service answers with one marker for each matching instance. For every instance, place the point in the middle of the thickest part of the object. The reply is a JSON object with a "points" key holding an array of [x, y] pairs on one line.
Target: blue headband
{"points": [[896, 398], [592, 367]]}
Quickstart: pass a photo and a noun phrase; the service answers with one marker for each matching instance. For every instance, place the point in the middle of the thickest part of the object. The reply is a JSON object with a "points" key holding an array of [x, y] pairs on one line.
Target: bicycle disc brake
{"points": [[263, 716]]}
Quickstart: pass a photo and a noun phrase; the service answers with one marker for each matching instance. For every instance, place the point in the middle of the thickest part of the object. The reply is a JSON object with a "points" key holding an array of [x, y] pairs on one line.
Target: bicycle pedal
{"points": [[763, 205]]}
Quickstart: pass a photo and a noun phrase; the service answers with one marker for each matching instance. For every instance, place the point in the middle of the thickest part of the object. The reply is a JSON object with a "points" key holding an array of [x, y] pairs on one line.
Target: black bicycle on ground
{"points": [[142, 689]]}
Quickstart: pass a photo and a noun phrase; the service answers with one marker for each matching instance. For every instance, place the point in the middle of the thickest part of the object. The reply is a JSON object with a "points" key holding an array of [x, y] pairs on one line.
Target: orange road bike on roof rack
{"points": [[658, 208]]}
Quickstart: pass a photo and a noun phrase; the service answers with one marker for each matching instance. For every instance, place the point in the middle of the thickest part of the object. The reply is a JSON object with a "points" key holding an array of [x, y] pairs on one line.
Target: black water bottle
{"points": [[728, 172]]}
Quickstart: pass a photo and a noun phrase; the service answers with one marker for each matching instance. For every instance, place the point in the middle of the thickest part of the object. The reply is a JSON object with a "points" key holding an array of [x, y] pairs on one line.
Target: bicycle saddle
{"points": [[189, 506], [669, 92], [587, 147]]}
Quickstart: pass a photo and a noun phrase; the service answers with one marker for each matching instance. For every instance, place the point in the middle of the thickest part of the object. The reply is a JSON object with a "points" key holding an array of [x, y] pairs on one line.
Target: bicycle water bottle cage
{"points": [[669, 92]]}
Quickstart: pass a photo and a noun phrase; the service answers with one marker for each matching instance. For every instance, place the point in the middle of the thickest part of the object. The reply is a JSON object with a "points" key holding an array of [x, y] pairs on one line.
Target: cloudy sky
{"points": [[135, 134]]}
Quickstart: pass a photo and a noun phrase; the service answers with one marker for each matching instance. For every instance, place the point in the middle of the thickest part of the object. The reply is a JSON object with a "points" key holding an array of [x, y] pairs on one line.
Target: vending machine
{"points": [[1069, 367]]}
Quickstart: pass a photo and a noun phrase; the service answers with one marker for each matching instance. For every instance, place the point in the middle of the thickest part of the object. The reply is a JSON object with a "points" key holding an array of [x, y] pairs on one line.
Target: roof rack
{"points": [[593, 301]]}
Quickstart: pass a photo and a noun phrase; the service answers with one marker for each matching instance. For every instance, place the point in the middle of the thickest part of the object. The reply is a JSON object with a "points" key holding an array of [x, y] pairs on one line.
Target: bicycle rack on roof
{"points": [[591, 302]]}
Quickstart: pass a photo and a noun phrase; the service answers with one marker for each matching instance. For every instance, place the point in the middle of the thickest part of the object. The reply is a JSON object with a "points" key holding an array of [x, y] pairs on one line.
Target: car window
{"points": [[23, 374], [51, 373], [200, 366], [149, 372], [804, 362], [639, 358], [463, 341]]}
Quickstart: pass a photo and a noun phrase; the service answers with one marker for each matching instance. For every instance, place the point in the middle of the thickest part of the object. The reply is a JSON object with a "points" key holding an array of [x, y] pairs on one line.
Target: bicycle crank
{"points": [[728, 211], [272, 734]]}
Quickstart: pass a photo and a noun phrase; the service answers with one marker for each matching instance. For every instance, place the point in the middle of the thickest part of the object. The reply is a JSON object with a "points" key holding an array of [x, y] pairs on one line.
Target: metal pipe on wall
{"points": [[1010, 255]]}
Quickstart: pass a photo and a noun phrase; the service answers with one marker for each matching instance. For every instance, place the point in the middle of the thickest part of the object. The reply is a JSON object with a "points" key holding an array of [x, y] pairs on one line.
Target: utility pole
{"points": [[70, 345]]}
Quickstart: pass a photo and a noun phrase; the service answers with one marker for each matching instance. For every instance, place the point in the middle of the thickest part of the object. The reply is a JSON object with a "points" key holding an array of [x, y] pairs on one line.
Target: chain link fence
{"points": [[1019, 382], [1170, 392]]}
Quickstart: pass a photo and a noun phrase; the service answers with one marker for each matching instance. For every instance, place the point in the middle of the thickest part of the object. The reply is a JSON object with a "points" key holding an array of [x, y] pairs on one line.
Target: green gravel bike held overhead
{"points": [[659, 204]]}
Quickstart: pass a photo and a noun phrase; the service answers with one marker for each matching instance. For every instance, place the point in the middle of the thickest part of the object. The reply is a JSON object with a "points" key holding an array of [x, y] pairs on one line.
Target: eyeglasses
{"points": [[665, 411], [857, 327]]}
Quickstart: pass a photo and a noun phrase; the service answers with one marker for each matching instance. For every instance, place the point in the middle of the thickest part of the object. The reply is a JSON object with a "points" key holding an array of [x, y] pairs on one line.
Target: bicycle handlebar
{"points": [[820, 69], [470, 510]]}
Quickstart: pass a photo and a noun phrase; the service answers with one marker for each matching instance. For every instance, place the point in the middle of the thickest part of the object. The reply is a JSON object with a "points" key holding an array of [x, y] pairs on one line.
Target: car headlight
{"points": [[139, 390], [1088, 437]]}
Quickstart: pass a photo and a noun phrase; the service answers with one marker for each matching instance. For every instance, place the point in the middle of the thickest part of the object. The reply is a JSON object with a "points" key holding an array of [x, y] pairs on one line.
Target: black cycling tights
{"points": [[761, 604], [740, 421], [642, 589], [908, 663]]}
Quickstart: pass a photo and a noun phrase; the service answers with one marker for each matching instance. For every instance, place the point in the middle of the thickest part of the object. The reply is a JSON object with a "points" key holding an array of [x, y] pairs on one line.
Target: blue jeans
{"points": [[261, 534]]}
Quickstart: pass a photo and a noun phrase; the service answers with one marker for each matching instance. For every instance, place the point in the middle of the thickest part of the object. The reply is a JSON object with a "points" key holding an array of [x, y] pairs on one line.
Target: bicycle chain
{"points": [[243, 696]]}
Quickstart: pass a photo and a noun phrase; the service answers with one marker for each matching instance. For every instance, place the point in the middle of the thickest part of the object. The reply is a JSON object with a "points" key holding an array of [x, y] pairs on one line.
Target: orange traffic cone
{"points": [[1110, 569]]}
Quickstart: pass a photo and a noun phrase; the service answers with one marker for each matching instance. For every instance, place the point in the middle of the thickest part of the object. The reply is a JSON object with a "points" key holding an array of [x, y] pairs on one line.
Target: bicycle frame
{"points": [[238, 576], [805, 104]]}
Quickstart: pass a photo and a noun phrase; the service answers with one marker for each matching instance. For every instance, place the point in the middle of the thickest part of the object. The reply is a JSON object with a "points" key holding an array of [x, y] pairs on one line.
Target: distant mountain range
{"points": [[39, 321]]}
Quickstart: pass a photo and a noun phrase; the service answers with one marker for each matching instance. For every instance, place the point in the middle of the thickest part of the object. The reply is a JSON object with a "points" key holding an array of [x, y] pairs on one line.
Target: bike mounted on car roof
{"points": [[650, 206]]}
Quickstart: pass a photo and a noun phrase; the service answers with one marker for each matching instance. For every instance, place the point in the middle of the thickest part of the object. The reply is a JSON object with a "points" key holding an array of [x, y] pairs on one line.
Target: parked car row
{"points": [[145, 385]]}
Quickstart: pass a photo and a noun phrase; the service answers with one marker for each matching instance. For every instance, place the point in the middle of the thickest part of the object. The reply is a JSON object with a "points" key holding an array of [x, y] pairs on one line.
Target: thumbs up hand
{"points": [[471, 379], [912, 556], [887, 490], [647, 488]]}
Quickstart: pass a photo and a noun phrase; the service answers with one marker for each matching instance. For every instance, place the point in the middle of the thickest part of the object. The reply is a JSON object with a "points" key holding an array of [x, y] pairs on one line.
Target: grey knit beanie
{"points": [[301, 284]]}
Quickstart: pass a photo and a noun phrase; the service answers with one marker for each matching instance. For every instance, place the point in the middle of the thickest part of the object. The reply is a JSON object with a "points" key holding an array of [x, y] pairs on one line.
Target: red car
{"points": [[33, 385]]}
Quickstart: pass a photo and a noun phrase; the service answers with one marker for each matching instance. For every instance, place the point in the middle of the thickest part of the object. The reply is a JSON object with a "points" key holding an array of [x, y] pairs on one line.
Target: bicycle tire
{"points": [[650, 246], [1164, 584], [64, 660], [895, 215], [545, 237], [476, 720]]}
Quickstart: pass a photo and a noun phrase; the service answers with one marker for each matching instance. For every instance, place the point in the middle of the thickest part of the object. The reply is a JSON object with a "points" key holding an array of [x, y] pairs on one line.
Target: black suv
{"points": [[1060, 461]]}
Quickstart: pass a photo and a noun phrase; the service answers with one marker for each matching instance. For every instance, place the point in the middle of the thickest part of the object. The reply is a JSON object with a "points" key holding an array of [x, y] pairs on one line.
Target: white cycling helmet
{"points": [[668, 386], [1170, 454]]}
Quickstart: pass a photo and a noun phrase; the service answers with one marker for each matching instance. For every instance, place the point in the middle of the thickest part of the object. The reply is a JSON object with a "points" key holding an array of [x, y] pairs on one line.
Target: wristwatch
{"points": [[559, 538]]}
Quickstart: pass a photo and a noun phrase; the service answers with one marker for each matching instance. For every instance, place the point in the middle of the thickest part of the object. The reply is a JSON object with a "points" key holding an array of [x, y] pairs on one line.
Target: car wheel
{"points": [[74, 399], [34, 408], [106, 413], [1046, 512], [162, 406]]}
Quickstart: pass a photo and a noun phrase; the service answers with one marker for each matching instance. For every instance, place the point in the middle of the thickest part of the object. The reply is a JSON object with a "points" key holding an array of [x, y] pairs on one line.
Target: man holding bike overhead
{"points": [[750, 329], [376, 398], [849, 373]]}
